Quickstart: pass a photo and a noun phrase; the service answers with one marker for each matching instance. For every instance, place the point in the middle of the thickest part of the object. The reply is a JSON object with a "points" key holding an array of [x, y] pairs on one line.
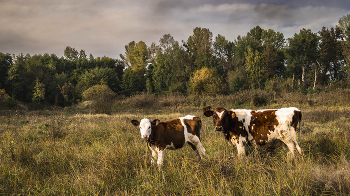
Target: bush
{"points": [[207, 82], [101, 97]]}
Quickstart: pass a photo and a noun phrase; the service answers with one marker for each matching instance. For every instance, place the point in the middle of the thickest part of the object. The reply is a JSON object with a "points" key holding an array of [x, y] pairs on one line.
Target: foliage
{"points": [[101, 97], [261, 59], [206, 82], [39, 91]]}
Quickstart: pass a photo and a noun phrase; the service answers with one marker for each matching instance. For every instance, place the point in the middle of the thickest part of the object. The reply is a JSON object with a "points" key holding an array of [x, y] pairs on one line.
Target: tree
{"points": [[223, 51], [39, 91], [344, 25], [200, 50], [94, 76], [330, 55], [169, 69], [302, 53], [71, 53], [19, 80], [136, 58], [254, 67], [5, 64]]}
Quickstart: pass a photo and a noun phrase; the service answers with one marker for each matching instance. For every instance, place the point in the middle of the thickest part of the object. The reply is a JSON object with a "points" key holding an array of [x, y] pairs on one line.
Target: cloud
{"points": [[104, 27]]}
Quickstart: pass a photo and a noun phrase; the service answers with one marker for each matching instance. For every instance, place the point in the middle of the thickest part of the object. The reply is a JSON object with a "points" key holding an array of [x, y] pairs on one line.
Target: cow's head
{"points": [[221, 118], [145, 126]]}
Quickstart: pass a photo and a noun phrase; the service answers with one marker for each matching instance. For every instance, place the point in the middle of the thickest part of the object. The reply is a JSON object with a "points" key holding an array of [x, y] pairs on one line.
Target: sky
{"points": [[104, 27]]}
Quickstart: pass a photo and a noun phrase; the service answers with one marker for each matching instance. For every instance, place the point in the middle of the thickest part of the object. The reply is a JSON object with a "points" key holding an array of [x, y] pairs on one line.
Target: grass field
{"points": [[74, 152]]}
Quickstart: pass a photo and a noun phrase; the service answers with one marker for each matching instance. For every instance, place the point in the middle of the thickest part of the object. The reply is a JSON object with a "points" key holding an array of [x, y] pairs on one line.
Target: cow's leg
{"points": [[194, 140], [240, 147], [160, 157], [153, 152], [293, 135], [195, 150]]}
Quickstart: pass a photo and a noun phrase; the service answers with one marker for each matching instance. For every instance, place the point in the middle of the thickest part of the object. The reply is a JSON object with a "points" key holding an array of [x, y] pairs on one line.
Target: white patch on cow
{"points": [[171, 146], [189, 117], [265, 117], [239, 143], [220, 114], [145, 128]]}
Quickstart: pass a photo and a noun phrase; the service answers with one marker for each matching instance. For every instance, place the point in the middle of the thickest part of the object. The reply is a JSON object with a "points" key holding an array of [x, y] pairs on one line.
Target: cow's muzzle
{"points": [[218, 128]]}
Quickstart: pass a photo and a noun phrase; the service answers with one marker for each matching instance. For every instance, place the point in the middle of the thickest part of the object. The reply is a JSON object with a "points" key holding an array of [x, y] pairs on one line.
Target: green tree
{"points": [[19, 80], [223, 51], [330, 55], [131, 83], [5, 64], [71, 53], [199, 46], [136, 58], [302, 54], [254, 67], [94, 76], [39, 91], [169, 69], [344, 25]]}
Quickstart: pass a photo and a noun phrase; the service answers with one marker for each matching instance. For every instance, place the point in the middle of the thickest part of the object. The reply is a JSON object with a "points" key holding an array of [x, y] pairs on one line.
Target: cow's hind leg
{"points": [[195, 150], [198, 147]]}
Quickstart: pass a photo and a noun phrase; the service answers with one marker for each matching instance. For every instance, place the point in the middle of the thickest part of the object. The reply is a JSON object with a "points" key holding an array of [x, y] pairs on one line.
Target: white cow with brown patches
{"points": [[171, 134], [241, 126]]}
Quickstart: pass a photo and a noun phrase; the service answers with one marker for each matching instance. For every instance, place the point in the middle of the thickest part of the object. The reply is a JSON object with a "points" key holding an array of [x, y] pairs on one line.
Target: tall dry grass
{"points": [[79, 153]]}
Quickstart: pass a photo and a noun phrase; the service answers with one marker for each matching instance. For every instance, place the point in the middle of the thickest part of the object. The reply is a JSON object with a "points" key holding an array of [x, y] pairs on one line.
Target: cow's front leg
{"points": [[154, 153], [239, 143], [160, 157]]}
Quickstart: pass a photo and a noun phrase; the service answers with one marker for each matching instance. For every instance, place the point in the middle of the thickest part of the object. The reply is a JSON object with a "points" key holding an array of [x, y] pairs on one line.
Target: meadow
{"points": [[74, 151]]}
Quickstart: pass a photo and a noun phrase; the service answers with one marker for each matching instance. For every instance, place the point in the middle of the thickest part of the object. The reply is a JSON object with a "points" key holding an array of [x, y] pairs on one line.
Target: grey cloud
{"points": [[280, 13]]}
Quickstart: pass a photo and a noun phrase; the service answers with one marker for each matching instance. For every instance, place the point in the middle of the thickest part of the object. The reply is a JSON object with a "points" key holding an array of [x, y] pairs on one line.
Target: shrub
{"points": [[206, 82], [101, 97]]}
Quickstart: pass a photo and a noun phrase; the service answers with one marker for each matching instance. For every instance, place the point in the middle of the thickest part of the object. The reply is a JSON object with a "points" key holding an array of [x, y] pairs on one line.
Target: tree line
{"points": [[200, 65]]}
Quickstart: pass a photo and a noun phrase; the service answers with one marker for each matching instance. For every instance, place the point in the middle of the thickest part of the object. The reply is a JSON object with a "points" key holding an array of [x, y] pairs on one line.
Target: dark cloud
{"points": [[280, 13], [104, 27]]}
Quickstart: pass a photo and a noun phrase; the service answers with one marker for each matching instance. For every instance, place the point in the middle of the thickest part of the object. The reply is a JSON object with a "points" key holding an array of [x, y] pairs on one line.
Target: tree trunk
{"points": [[315, 78], [303, 75]]}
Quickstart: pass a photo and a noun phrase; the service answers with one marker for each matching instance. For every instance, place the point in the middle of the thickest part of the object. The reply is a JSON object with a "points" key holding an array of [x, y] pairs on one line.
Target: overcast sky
{"points": [[104, 27]]}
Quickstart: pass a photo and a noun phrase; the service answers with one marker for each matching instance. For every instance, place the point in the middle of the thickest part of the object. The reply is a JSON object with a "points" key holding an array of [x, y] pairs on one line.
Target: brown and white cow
{"points": [[241, 126], [171, 134]]}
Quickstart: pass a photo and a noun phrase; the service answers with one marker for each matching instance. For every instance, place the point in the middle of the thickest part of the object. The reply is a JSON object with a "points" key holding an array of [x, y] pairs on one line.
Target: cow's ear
{"points": [[232, 114], [155, 122], [208, 113], [206, 108], [135, 122]]}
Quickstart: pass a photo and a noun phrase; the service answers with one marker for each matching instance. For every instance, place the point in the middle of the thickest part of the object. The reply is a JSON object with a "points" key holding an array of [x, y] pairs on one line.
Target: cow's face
{"points": [[221, 117], [145, 127]]}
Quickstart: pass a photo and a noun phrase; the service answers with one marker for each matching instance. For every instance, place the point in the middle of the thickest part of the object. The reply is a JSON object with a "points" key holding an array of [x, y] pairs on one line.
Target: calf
{"points": [[171, 134], [259, 127]]}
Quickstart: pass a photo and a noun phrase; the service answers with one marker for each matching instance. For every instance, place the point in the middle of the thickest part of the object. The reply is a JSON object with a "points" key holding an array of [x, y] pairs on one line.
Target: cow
{"points": [[257, 127], [171, 134]]}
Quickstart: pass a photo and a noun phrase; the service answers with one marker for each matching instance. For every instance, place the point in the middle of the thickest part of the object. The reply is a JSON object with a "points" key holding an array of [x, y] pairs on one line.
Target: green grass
{"points": [[66, 153]]}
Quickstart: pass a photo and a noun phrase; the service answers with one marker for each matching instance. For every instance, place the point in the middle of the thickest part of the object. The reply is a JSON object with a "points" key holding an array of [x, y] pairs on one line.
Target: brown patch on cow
{"points": [[262, 124], [237, 128], [193, 126], [296, 118], [168, 133]]}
